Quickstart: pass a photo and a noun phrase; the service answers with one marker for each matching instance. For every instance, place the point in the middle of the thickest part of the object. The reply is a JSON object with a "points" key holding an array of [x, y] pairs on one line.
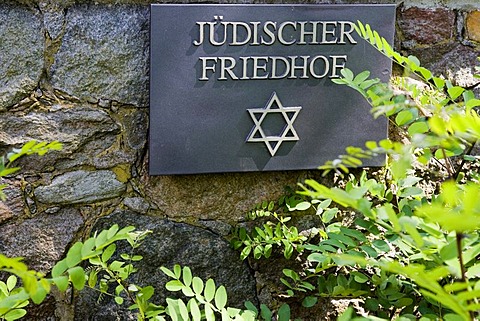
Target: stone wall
{"points": [[76, 71]]}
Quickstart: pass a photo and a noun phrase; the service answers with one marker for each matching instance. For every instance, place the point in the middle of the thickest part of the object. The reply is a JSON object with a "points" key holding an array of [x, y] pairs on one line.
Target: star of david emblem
{"points": [[287, 133]]}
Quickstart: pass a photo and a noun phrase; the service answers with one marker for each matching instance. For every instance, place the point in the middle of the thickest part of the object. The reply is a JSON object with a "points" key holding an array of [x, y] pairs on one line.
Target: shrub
{"points": [[411, 249]]}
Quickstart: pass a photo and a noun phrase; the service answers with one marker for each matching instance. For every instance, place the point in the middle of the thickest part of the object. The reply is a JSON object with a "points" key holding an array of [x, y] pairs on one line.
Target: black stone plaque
{"points": [[238, 88]]}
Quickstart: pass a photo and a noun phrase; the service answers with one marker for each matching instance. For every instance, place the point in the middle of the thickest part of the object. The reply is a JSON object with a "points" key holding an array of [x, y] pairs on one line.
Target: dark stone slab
{"points": [[206, 253], [211, 114], [21, 53]]}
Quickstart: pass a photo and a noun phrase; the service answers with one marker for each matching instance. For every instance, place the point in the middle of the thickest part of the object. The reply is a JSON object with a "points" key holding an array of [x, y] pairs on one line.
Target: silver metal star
{"points": [[288, 133]]}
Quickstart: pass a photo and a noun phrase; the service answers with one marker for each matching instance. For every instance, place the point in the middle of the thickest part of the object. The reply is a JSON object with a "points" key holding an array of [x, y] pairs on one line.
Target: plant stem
{"points": [[448, 165], [459, 170], [459, 237]]}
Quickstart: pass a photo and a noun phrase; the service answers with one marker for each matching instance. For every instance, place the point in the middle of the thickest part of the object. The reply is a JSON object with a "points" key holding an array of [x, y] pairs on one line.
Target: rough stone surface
{"points": [[427, 26], [86, 134], [429, 55], [220, 196], [41, 240], [459, 65], [13, 205], [136, 127], [473, 25], [53, 18], [104, 54], [208, 255], [80, 187], [71, 126], [137, 204], [21, 53]]}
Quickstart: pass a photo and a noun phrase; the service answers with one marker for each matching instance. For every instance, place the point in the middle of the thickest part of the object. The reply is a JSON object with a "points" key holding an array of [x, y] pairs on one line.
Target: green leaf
{"points": [[425, 73], [8, 171], [11, 282], [404, 117], [209, 314], [403, 302], [347, 74], [183, 310], [39, 295], [411, 191], [209, 291], [187, 276], [347, 315], [271, 205], [439, 82], [309, 301], [15, 314], [288, 250], [455, 92], [441, 153], [177, 269], [284, 312], [473, 271], [74, 255], [372, 304], [112, 231], [174, 285], [119, 300], [265, 312], [414, 63], [302, 206], [77, 276], [87, 247], [167, 272], [381, 245], [472, 103], [420, 127], [147, 292], [329, 215], [359, 277], [453, 317], [59, 268], [92, 278], [195, 310], [245, 252], [108, 252], [61, 282], [361, 77], [221, 297], [197, 284], [101, 239]]}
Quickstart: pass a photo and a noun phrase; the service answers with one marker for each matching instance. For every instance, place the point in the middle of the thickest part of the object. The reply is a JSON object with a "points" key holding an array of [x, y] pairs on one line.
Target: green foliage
{"points": [[411, 250], [107, 271], [30, 148], [67, 272]]}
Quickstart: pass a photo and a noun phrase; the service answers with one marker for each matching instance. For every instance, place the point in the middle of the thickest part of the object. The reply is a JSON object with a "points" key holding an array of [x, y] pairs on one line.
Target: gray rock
{"points": [[136, 127], [80, 187], [459, 65], [207, 254], [86, 134], [71, 126], [54, 21], [217, 227], [104, 54], [41, 240], [427, 26], [21, 53], [137, 204], [219, 196], [13, 205]]}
